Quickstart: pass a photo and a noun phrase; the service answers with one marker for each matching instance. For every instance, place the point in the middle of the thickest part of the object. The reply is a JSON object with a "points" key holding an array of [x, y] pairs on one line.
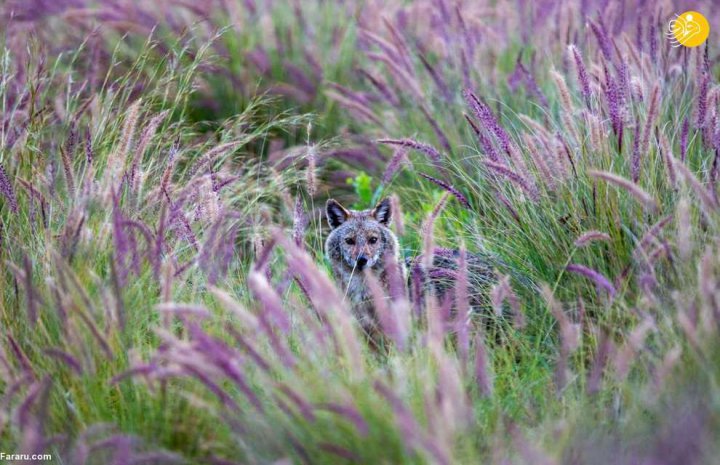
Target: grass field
{"points": [[164, 166]]}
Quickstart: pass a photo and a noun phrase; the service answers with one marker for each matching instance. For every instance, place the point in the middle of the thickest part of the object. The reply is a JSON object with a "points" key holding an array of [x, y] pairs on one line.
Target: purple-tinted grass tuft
{"points": [[633, 189], [582, 75], [591, 236], [600, 281], [7, 190], [447, 187], [483, 113], [427, 149]]}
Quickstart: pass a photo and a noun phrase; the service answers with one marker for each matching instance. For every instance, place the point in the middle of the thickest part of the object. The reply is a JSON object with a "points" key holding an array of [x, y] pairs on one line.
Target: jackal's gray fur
{"points": [[361, 242]]}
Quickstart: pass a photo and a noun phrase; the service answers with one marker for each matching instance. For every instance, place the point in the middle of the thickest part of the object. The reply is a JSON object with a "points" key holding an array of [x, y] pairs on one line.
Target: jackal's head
{"points": [[359, 239]]}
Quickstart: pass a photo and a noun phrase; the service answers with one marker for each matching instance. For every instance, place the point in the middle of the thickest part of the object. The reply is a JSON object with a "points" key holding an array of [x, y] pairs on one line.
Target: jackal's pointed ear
{"points": [[382, 212], [336, 213]]}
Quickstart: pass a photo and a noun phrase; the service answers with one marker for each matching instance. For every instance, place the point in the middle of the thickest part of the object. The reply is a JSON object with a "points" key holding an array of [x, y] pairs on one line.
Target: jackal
{"points": [[361, 242]]}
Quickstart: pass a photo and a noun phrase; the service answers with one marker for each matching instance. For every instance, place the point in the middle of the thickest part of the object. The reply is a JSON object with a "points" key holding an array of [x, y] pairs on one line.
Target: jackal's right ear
{"points": [[336, 213], [383, 212]]}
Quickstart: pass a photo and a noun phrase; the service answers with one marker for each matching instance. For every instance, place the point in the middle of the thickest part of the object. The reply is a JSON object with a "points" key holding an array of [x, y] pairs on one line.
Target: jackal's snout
{"points": [[361, 262]]}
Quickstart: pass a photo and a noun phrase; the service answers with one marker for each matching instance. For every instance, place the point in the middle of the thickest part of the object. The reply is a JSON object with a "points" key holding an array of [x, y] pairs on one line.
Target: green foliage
{"points": [[362, 185]]}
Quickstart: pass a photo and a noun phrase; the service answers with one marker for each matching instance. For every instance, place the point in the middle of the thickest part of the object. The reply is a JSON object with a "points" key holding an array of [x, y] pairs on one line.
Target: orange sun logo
{"points": [[689, 29]]}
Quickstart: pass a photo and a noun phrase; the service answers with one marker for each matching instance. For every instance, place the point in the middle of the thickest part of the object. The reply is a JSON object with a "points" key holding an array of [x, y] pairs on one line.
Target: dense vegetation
{"points": [[163, 171]]}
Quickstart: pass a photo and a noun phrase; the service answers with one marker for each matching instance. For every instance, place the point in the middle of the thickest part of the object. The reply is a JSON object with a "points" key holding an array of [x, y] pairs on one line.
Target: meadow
{"points": [[164, 167]]}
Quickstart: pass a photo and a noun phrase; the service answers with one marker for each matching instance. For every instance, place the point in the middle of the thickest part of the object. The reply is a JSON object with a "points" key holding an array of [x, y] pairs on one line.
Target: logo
{"points": [[689, 29]]}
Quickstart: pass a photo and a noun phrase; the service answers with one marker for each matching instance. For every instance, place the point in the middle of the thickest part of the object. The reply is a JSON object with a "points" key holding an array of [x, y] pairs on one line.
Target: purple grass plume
{"points": [[633, 189], [684, 139], [483, 113], [600, 281], [449, 188], [526, 185], [427, 149], [582, 74], [591, 236], [7, 190]]}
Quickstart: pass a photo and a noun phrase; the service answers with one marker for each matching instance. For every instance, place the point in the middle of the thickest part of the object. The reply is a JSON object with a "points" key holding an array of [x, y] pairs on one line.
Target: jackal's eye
{"points": [[350, 241], [372, 239]]}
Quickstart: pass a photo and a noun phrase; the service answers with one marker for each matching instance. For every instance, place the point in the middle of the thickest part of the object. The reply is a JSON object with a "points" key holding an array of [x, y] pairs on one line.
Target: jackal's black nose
{"points": [[361, 262]]}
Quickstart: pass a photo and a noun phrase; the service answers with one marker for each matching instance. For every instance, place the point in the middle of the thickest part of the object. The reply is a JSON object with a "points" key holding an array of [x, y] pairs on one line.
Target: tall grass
{"points": [[164, 294]]}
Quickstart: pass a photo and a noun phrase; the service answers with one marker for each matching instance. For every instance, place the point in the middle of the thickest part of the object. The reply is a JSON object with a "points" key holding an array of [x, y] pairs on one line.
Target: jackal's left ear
{"points": [[382, 212], [336, 213]]}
